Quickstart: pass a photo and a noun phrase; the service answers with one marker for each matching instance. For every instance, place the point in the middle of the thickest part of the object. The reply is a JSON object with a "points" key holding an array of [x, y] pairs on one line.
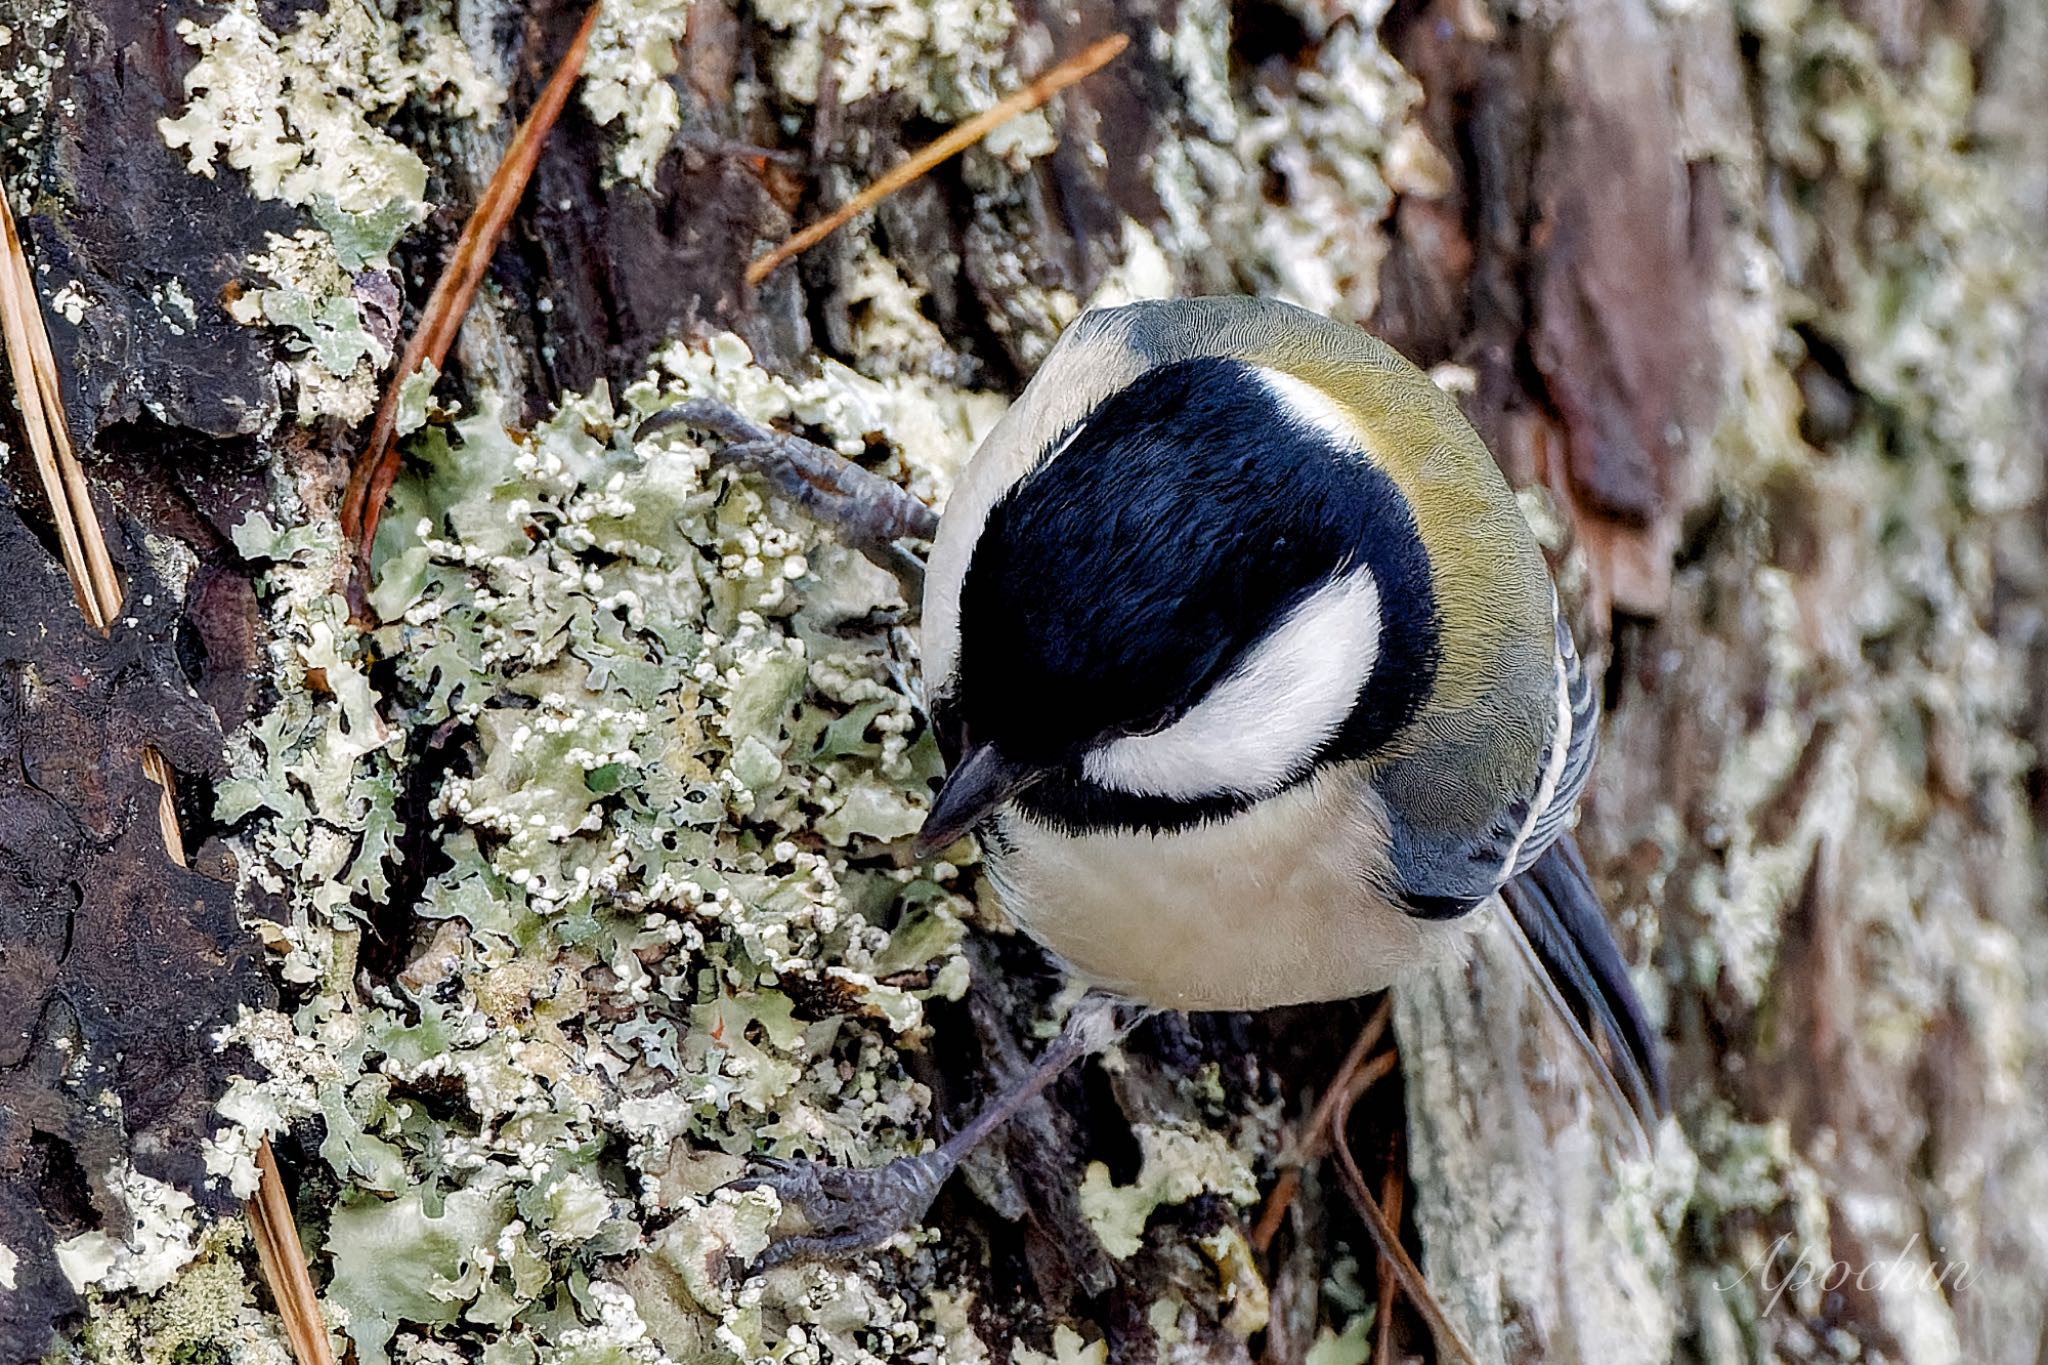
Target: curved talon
{"points": [[706, 414]]}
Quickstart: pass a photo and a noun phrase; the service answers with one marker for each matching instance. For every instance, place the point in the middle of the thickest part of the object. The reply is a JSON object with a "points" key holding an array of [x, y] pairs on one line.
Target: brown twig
{"points": [[1312, 1139], [956, 140], [157, 770], [83, 545], [276, 1235], [376, 468], [1386, 1235], [1393, 1191], [34, 371]]}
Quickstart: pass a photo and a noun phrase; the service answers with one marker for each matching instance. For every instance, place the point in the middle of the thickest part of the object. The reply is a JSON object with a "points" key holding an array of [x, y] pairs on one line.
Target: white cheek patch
{"points": [[1261, 725]]}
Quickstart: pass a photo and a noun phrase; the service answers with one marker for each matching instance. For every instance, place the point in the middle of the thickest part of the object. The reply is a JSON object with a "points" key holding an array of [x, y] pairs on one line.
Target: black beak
{"points": [[982, 780]]}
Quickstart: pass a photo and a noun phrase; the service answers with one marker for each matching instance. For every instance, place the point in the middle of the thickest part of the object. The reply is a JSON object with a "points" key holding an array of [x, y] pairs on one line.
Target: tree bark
{"points": [[1750, 303]]}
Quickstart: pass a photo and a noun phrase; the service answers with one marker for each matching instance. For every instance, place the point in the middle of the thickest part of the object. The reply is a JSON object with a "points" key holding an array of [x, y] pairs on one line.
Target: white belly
{"points": [[1274, 906]]}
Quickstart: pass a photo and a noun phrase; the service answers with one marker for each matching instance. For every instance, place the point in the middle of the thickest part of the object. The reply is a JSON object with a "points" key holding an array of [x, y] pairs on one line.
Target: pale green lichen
{"points": [[692, 760], [691, 766], [209, 1312], [303, 114], [336, 358], [625, 81], [1179, 1163], [1350, 1303], [298, 112], [1068, 1348], [1352, 1346], [593, 991], [949, 58], [161, 1237]]}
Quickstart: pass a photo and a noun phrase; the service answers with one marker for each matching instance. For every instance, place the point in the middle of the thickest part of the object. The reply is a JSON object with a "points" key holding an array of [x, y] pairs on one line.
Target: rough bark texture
{"points": [[118, 964], [1752, 302]]}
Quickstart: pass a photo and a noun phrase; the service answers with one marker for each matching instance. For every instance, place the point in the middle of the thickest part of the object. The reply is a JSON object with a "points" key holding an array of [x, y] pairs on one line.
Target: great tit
{"points": [[1251, 677]]}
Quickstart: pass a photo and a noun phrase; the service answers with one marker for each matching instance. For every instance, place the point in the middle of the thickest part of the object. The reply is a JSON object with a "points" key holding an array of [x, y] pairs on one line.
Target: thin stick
{"points": [[284, 1264], [1393, 1191], [1310, 1139], [1387, 1237], [158, 771], [80, 540], [369, 482], [956, 140], [1315, 1135]]}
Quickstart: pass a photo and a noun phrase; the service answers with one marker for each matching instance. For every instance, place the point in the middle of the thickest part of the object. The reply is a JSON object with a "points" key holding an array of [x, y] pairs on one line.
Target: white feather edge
{"points": [[1553, 772]]}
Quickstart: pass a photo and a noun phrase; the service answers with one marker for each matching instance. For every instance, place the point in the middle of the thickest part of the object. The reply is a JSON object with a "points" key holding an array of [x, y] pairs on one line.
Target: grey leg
{"points": [[850, 1209], [866, 511]]}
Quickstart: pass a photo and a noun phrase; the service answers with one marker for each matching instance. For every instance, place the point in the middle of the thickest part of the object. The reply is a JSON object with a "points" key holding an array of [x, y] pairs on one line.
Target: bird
{"points": [[1253, 683]]}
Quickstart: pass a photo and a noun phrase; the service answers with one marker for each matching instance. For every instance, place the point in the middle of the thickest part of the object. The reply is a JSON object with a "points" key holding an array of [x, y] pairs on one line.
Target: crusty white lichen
{"points": [[303, 113], [625, 80], [950, 58], [32, 52], [1856, 693], [693, 765], [1281, 179]]}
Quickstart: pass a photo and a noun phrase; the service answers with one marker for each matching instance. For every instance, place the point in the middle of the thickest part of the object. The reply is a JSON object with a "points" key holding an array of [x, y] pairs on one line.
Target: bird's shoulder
{"points": [[1528, 753]]}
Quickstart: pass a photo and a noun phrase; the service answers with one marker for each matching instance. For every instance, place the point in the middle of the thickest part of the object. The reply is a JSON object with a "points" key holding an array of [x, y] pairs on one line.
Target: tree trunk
{"points": [[1749, 303]]}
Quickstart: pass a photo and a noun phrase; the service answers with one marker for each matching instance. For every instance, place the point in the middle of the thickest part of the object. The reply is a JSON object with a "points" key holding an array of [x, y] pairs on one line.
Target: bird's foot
{"points": [[866, 510], [847, 1208]]}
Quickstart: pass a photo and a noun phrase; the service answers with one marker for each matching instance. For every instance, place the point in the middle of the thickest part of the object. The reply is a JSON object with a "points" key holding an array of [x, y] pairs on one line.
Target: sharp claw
{"points": [[708, 414]]}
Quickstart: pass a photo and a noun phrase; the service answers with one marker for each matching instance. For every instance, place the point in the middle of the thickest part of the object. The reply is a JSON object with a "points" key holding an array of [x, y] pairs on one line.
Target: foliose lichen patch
{"points": [[673, 925], [303, 112]]}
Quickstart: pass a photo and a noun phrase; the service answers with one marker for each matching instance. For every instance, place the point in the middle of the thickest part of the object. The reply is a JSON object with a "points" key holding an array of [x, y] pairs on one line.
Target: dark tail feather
{"points": [[1561, 917]]}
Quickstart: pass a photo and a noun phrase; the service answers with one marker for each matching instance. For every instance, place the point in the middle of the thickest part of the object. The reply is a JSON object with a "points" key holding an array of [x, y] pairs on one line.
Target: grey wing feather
{"points": [[1581, 702], [1446, 867]]}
